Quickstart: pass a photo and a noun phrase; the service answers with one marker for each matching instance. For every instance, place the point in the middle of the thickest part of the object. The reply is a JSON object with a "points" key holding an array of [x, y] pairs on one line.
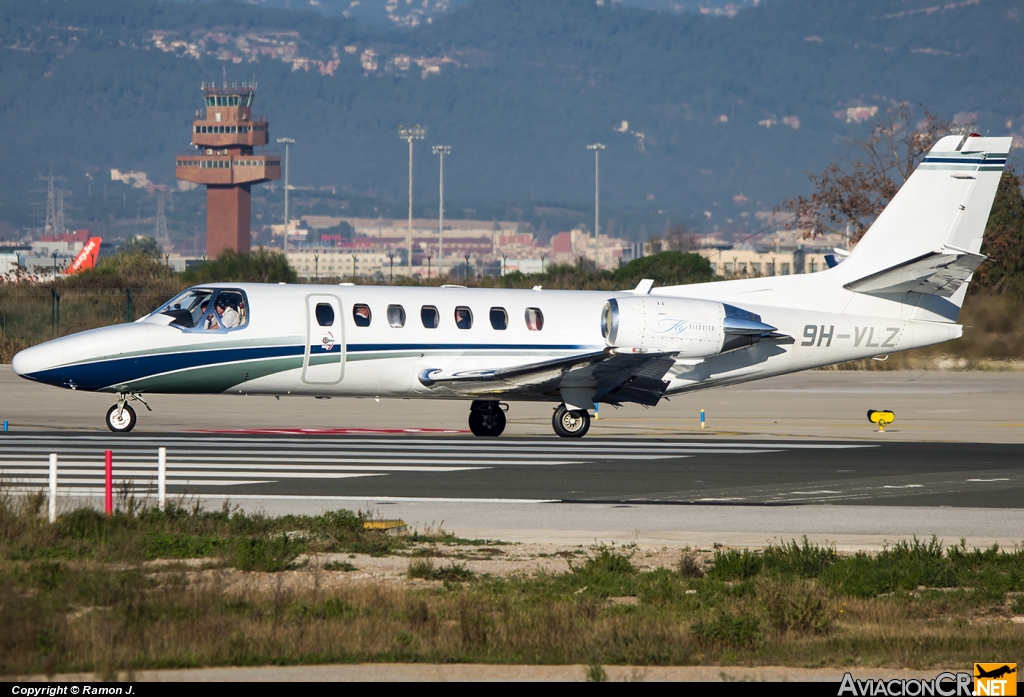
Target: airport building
{"points": [[334, 262], [749, 261], [226, 163]]}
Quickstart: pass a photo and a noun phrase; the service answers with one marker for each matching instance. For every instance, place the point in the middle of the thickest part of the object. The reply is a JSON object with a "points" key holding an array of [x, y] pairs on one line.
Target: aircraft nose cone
{"points": [[33, 360], [28, 361]]}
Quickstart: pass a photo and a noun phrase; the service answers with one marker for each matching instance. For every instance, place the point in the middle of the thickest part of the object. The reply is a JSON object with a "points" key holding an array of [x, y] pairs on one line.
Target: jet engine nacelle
{"points": [[690, 328]]}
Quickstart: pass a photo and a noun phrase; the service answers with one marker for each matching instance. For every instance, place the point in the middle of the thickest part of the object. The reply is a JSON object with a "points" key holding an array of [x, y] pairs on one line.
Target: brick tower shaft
{"points": [[227, 218]]}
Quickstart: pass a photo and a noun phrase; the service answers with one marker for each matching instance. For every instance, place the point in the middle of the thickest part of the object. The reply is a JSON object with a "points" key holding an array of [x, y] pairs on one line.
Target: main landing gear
{"points": [[487, 418], [121, 417], [570, 423]]}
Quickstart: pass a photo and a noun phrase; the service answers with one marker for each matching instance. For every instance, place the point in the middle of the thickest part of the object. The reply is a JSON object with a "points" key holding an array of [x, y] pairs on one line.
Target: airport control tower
{"points": [[225, 163]]}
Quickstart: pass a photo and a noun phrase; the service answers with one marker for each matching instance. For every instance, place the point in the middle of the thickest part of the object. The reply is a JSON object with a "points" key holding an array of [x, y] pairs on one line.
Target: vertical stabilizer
{"points": [[941, 209]]}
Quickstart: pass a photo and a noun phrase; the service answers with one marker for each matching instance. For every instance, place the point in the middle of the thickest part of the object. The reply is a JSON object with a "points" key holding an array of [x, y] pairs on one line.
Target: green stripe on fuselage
{"points": [[211, 379]]}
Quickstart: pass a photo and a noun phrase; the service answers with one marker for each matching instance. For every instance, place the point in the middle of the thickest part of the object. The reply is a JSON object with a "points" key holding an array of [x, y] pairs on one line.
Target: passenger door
{"points": [[324, 361]]}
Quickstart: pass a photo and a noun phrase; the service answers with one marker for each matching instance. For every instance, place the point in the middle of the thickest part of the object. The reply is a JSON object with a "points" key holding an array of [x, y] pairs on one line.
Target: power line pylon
{"points": [[60, 220], [160, 227], [51, 207]]}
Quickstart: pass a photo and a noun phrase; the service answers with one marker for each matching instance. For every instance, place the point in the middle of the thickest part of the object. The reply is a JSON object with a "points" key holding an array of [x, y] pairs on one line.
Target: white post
{"points": [[161, 477], [53, 487]]}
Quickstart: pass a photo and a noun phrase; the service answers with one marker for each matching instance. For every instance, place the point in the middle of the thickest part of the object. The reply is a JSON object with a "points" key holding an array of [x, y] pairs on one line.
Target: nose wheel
{"points": [[486, 418], [570, 423], [121, 418]]}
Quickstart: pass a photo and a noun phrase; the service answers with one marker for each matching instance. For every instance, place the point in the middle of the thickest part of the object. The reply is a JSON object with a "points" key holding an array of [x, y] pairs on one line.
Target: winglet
{"points": [[644, 287]]}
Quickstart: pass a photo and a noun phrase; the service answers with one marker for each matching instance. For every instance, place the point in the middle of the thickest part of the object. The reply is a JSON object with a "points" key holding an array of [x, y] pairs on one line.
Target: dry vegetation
{"points": [[185, 587]]}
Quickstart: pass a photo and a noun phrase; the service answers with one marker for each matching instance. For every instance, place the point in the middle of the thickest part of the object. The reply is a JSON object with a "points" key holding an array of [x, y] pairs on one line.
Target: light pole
{"points": [[391, 256], [441, 150], [542, 264], [429, 257], [316, 265], [597, 148], [410, 134], [287, 142], [467, 267]]}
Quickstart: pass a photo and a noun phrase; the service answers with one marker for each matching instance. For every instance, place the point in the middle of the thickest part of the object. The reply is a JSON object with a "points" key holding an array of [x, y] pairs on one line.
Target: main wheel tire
{"points": [[125, 423], [487, 420], [570, 424]]}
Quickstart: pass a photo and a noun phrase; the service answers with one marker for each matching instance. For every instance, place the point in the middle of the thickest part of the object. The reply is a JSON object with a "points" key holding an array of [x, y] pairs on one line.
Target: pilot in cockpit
{"points": [[226, 314]]}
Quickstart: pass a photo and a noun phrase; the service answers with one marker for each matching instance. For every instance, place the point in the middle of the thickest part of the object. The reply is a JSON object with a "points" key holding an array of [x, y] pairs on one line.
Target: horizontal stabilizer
{"points": [[938, 273]]}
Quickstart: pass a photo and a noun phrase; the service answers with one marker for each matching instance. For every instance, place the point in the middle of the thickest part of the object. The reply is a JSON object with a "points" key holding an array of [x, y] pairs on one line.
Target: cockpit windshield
{"points": [[188, 307]]}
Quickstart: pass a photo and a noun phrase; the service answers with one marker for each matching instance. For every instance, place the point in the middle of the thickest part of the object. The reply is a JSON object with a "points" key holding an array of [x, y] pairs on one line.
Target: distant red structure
{"points": [[225, 163]]}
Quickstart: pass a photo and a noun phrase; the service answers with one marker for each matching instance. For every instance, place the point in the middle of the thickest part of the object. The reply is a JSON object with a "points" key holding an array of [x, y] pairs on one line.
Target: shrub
{"points": [[729, 631], [689, 564], [264, 554]]}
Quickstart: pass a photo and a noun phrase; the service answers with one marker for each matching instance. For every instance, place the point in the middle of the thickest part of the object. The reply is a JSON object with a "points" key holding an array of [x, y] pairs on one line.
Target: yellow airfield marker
{"points": [[882, 417]]}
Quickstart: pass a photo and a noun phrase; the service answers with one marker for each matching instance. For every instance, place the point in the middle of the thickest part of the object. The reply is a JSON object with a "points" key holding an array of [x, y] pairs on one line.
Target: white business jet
{"points": [[900, 288]]}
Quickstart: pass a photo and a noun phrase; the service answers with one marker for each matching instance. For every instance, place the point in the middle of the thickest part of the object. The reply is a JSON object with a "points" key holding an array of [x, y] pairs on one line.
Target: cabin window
{"points": [[499, 318], [534, 319], [324, 315], [430, 316], [396, 316], [361, 315], [463, 317]]}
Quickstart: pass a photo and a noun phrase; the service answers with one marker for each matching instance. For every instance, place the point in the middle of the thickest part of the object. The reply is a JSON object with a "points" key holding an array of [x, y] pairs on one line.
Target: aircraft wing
{"points": [[938, 273], [615, 375]]}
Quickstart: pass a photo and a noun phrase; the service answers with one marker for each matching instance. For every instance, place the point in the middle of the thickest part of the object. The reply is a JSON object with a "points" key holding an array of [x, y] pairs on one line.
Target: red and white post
{"points": [[109, 457]]}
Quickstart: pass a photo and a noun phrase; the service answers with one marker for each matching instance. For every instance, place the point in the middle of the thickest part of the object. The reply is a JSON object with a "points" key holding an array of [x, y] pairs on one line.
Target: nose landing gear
{"points": [[487, 418], [121, 418], [569, 423]]}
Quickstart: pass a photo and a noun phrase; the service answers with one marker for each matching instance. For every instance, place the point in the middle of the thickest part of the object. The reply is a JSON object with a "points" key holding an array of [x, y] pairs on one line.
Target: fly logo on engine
{"points": [[672, 327]]}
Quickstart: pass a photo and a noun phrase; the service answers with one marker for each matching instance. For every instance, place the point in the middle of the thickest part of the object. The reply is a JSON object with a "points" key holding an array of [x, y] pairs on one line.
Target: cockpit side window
{"points": [[206, 310]]}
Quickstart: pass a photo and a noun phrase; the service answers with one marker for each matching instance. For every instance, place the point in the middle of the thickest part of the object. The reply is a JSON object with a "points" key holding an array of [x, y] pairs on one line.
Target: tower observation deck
{"points": [[224, 161]]}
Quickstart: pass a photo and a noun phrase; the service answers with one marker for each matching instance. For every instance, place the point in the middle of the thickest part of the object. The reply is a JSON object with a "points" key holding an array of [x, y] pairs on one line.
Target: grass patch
{"points": [[424, 568], [80, 595]]}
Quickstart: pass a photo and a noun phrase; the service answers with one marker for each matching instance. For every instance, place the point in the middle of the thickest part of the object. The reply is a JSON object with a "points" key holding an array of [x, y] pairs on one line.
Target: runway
{"points": [[669, 491], [520, 470], [781, 458]]}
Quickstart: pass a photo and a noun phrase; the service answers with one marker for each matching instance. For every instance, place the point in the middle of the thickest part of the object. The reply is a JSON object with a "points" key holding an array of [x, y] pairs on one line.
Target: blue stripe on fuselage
{"points": [[105, 373], [115, 371]]}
